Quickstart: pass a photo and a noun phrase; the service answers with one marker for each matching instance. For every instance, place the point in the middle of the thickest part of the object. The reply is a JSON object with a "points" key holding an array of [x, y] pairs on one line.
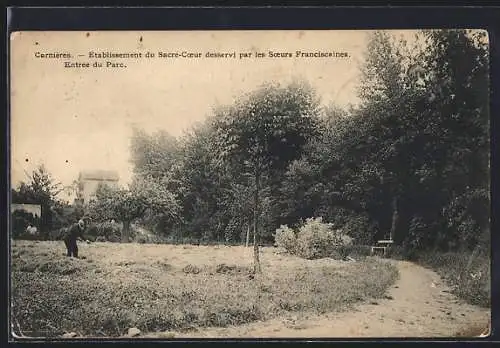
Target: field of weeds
{"points": [[156, 288]]}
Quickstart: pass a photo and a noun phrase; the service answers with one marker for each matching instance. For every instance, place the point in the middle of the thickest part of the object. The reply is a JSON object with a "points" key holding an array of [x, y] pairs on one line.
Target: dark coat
{"points": [[73, 232]]}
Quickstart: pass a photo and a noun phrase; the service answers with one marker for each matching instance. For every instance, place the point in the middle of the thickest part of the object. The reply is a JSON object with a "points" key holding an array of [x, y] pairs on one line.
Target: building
{"points": [[89, 181], [35, 209]]}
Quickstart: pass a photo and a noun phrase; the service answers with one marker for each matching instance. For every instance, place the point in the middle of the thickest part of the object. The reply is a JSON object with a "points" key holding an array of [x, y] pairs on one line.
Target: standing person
{"points": [[74, 232]]}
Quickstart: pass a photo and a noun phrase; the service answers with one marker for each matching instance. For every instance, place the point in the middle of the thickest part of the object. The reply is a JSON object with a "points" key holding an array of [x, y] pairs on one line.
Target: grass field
{"points": [[157, 288]]}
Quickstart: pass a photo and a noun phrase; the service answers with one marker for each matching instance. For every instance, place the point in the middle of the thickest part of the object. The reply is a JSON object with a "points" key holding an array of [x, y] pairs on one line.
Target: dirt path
{"points": [[418, 305]]}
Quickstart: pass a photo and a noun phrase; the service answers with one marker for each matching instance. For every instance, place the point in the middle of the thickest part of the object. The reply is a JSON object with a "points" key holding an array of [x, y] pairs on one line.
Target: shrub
{"points": [[92, 230], [285, 238], [359, 251], [316, 239], [465, 213], [396, 252], [111, 231], [56, 234], [142, 235], [142, 239], [114, 239], [20, 220]]}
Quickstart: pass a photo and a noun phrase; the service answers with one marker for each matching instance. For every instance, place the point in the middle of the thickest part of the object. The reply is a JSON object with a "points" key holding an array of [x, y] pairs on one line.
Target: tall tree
{"points": [[202, 185], [262, 133], [428, 110], [126, 205], [156, 158], [458, 101], [153, 155]]}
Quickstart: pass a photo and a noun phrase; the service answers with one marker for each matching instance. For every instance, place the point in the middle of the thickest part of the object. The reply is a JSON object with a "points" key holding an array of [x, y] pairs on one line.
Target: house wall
{"points": [[34, 209]]}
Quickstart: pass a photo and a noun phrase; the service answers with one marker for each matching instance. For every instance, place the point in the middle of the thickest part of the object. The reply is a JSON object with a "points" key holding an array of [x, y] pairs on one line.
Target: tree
{"points": [[157, 160], [126, 205], [202, 185], [458, 99], [411, 161], [153, 155], [262, 133], [426, 110], [43, 190], [386, 108]]}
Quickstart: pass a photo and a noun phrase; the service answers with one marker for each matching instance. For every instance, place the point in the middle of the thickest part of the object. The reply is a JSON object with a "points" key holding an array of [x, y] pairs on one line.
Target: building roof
{"points": [[107, 175]]}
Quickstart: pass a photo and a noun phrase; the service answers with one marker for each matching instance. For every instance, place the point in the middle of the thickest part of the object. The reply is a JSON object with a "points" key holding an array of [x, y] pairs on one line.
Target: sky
{"points": [[73, 119]]}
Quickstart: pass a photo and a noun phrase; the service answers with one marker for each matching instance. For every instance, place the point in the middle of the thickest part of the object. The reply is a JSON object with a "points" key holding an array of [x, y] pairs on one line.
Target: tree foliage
{"points": [[144, 197], [153, 155], [41, 189], [410, 162], [417, 142], [262, 133]]}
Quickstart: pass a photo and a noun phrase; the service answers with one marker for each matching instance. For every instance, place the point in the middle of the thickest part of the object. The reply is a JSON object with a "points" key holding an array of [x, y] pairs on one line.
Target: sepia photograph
{"points": [[249, 184]]}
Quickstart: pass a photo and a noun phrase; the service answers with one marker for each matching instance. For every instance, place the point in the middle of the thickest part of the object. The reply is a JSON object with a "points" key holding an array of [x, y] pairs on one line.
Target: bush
{"points": [[114, 239], [285, 238], [144, 236], [397, 252], [64, 215], [142, 240], [359, 251], [316, 239], [56, 234], [110, 231], [20, 220]]}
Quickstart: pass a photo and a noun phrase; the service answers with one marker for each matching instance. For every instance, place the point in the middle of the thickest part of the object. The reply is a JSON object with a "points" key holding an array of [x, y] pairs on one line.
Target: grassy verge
{"points": [[121, 286], [473, 285]]}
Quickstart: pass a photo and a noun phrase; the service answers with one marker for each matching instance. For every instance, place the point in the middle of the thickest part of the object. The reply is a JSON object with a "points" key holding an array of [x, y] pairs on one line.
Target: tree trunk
{"points": [[126, 232], [256, 260], [248, 235], [473, 256], [395, 218]]}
